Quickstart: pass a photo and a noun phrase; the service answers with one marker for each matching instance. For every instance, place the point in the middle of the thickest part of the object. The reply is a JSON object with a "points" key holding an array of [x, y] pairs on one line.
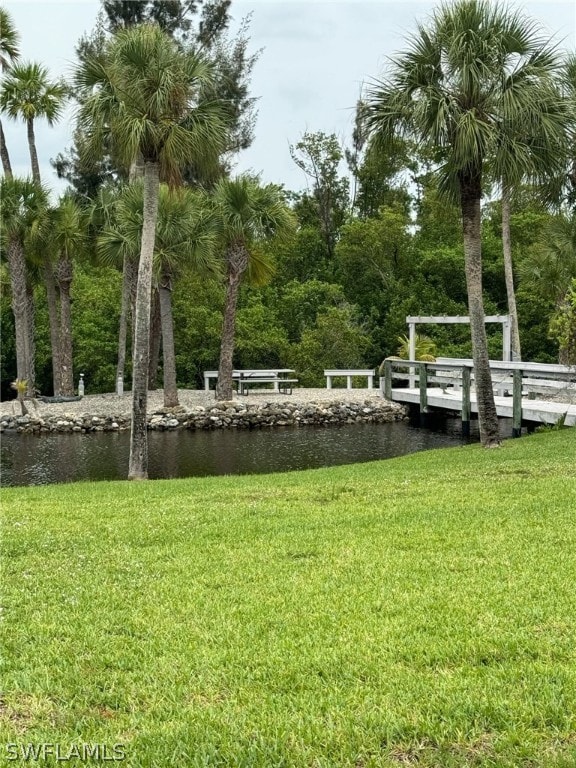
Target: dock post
{"points": [[465, 401], [423, 383], [517, 403], [388, 379]]}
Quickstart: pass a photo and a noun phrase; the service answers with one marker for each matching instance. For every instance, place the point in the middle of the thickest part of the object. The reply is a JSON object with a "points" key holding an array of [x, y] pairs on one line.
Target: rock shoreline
{"points": [[229, 415]]}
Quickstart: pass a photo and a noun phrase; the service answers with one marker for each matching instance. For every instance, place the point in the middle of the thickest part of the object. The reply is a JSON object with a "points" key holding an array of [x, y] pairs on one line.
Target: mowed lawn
{"points": [[413, 612]]}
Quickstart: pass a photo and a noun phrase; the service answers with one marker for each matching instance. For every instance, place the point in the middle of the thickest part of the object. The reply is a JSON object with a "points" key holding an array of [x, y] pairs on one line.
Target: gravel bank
{"points": [[199, 410]]}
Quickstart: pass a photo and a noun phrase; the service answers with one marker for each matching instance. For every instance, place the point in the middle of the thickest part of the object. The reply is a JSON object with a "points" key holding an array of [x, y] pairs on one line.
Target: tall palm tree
{"points": [[28, 93], [102, 214], [184, 237], [68, 239], [24, 206], [455, 90], [146, 95], [9, 40], [9, 52], [244, 212], [532, 146]]}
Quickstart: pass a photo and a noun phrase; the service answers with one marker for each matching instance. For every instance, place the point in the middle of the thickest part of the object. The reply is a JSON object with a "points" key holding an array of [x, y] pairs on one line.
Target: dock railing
{"points": [[515, 378]]}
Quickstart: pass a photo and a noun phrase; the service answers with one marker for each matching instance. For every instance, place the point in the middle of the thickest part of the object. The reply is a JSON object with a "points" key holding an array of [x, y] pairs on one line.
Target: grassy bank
{"points": [[414, 612]]}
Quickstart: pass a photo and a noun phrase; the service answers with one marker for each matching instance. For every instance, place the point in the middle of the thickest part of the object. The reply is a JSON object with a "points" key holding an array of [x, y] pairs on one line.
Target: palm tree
{"points": [[550, 265], [9, 52], [532, 147], [461, 83], [184, 237], [9, 39], [67, 238], [24, 206], [244, 212], [146, 95], [102, 214], [28, 93], [425, 348]]}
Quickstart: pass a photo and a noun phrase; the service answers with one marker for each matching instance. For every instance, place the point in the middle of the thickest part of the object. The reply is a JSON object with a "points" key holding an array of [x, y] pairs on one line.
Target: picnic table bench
{"points": [[349, 373], [250, 377], [281, 382]]}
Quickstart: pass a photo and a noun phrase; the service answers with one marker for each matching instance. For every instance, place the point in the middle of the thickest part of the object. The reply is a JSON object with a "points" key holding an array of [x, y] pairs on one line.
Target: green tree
{"points": [[550, 266], [146, 94], [460, 84], [371, 256], [563, 326], [24, 206], [28, 93], [245, 212], [67, 238], [195, 26], [532, 146], [379, 178], [319, 155], [9, 52], [183, 240], [337, 340], [95, 309]]}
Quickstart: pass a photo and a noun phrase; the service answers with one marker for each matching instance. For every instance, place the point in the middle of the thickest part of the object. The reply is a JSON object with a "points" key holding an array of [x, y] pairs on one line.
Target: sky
{"points": [[316, 56]]}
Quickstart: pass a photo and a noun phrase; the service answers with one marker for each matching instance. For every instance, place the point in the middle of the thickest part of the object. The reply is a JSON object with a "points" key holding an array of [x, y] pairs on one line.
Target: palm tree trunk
{"points": [[128, 279], [136, 169], [31, 344], [509, 274], [129, 275], [155, 339], [237, 263], [17, 268], [65, 275], [168, 353], [49, 281], [33, 153], [138, 463], [54, 322], [133, 286], [6, 167], [470, 196]]}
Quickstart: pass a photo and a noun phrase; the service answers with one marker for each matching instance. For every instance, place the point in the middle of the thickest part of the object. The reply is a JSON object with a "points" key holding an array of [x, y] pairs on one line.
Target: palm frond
{"points": [[9, 40], [479, 87]]}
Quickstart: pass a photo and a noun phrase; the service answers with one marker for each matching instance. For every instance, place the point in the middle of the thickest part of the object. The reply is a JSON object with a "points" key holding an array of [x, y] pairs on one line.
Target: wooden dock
{"points": [[536, 411], [448, 384]]}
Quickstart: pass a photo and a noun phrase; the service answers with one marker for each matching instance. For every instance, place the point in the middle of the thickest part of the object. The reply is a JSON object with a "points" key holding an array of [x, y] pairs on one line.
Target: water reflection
{"points": [[38, 460]]}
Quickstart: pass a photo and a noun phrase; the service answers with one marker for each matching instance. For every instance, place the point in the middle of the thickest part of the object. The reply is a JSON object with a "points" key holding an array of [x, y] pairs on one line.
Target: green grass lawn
{"points": [[413, 612]]}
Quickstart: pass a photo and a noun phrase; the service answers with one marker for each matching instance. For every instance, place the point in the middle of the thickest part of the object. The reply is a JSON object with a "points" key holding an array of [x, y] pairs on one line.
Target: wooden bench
{"points": [[349, 373]]}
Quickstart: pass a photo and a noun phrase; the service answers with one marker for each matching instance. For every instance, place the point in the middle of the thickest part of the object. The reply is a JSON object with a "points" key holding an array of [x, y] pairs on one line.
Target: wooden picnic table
{"points": [[246, 377]]}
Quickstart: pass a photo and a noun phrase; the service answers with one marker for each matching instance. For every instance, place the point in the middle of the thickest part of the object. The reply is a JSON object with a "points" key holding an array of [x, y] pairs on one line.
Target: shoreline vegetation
{"points": [[415, 611]]}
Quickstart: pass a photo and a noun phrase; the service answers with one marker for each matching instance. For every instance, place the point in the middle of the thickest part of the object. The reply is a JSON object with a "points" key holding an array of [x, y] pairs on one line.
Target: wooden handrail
{"points": [[517, 370]]}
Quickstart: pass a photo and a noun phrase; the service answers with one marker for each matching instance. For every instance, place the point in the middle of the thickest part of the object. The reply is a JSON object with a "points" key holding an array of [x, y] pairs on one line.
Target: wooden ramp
{"points": [[538, 411]]}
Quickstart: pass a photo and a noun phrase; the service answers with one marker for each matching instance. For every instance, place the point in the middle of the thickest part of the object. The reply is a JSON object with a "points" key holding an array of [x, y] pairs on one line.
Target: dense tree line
{"points": [[458, 198]]}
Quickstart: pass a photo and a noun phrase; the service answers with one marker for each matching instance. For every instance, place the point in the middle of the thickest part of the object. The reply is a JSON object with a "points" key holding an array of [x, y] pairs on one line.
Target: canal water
{"points": [[61, 458]]}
